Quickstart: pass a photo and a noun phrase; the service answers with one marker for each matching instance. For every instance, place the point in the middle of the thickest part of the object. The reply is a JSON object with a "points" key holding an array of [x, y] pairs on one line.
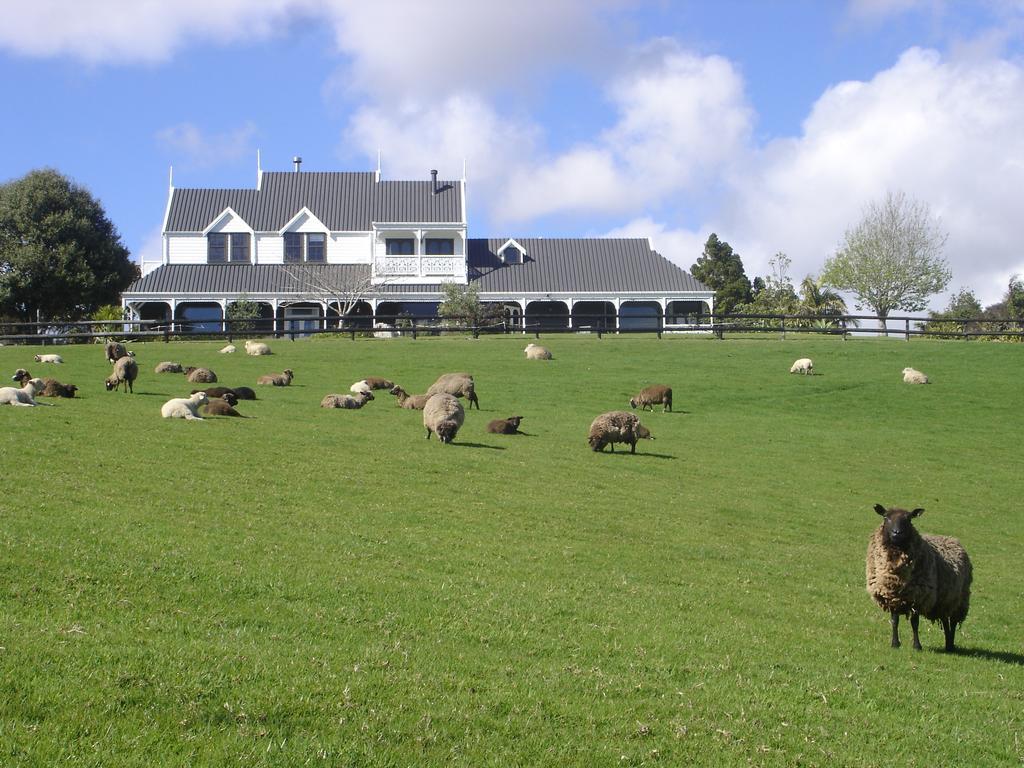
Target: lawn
{"points": [[326, 587]]}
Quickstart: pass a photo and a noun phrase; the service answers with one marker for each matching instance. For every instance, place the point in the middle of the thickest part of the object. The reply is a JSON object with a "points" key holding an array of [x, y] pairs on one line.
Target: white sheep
{"points": [[26, 395], [443, 415], [184, 407], [360, 386], [228, 350], [537, 352], [48, 359], [804, 365], [256, 348], [914, 376]]}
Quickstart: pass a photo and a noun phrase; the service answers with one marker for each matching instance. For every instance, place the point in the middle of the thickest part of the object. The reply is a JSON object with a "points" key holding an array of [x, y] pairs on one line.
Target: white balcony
{"points": [[410, 269]]}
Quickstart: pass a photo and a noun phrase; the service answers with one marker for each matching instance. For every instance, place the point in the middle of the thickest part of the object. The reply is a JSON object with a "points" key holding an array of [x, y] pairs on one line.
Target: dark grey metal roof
{"points": [[261, 279], [343, 201], [602, 265]]}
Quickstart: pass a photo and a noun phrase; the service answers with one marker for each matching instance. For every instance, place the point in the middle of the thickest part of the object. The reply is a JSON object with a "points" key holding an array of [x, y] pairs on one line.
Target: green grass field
{"points": [[313, 587]]}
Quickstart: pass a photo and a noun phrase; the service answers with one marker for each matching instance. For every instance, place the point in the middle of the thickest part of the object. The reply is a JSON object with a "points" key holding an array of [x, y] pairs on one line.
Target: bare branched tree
{"points": [[892, 259], [336, 285]]}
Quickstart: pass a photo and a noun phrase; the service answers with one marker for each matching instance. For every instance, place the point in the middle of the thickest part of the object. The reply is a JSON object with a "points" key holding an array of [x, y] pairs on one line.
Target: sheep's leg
{"points": [[428, 433], [894, 620], [949, 630], [632, 447], [915, 619]]}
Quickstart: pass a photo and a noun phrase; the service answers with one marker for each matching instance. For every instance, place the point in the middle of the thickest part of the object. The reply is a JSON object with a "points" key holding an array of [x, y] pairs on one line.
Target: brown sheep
{"points": [[126, 371], [222, 406], [407, 401], [655, 394], [457, 385], [200, 375], [617, 427], [357, 400], [168, 367], [217, 392], [277, 379], [509, 426], [114, 350]]}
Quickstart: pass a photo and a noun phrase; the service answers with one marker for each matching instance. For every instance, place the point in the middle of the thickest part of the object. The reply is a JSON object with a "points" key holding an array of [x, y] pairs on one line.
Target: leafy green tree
{"points": [[963, 306], [776, 296], [721, 269], [892, 259], [245, 315], [462, 306], [60, 256], [818, 299]]}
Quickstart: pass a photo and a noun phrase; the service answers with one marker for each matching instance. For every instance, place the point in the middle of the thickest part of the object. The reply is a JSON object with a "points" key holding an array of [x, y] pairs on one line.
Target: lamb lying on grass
{"points": [[48, 359], [277, 379], [184, 407], [509, 426], [350, 402], [914, 376], [51, 387], [26, 395]]}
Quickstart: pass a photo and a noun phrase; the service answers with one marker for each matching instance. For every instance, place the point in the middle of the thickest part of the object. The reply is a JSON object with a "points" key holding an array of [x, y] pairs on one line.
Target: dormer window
{"points": [[305, 246], [512, 255], [222, 247]]}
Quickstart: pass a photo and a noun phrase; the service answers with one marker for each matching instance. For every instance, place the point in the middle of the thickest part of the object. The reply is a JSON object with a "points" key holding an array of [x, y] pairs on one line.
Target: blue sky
{"points": [[770, 123]]}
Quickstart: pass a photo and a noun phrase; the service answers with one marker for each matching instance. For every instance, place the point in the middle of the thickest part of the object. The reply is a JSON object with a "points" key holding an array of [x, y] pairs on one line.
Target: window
{"points": [[292, 246], [222, 247], [216, 247], [239, 246], [512, 255], [440, 246], [400, 246], [316, 245]]}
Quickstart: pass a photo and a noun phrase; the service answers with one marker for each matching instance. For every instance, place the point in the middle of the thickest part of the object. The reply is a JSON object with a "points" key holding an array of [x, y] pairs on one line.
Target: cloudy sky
{"points": [[771, 124]]}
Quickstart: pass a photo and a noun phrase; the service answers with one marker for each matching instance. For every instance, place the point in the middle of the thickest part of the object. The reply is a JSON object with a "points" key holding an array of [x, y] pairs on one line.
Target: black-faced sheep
{"points": [[200, 375], [222, 406], [48, 359], [917, 574], [914, 376], [51, 387], [244, 393], [168, 367], [617, 427], [184, 407], [509, 426], [537, 352], [126, 370], [804, 365], [357, 400], [655, 394], [277, 379], [256, 348], [407, 401], [443, 415], [457, 385]]}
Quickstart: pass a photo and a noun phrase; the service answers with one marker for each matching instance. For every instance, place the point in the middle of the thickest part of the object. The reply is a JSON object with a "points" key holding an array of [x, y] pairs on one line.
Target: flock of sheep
{"points": [[907, 573]]}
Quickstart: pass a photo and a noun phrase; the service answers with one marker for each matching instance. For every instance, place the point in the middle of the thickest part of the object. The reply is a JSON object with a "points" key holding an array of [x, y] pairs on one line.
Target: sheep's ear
{"points": [[917, 512], [880, 509]]}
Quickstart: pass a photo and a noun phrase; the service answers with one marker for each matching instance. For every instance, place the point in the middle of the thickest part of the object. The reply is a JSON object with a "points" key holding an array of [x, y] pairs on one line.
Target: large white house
{"points": [[308, 245]]}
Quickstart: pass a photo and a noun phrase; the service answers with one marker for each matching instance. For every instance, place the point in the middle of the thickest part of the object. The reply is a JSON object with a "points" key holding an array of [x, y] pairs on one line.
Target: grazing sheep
{"points": [[617, 427], [537, 352], [804, 365], [443, 415], [509, 426], [244, 393], [184, 407], [200, 375], [277, 379], [407, 401], [228, 350], [51, 387], [48, 359], [357, 400], [25, 395], [256, 348], [457, 385], [114, 351], [126, 370], [222, 406], [168, 367], [654, 394], [917, 574], [913, 376]]}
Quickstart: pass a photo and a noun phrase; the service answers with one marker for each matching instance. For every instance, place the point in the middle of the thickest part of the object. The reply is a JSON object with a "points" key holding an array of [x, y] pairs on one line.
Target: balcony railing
{"points": [[419, 266]]}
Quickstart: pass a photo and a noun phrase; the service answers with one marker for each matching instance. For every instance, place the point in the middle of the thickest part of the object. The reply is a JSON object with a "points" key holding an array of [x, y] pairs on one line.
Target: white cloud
{"points": [[680, 246], [188, 142]]}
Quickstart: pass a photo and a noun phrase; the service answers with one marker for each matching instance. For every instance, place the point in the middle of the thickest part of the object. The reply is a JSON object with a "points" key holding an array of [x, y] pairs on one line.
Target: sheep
{"points": [[509, 426], [244, 393], [655, 393], [228, 350], [804, 365], [277, 379], [221, 392], [537, 352], [168, 367], [114, 351], [913, 376], [407, 401], [184, 407], [256, 348], [48, 359], [200, 375], [917, 574], [617, 427], [25, 395], [50, 388], [126, 370], [456, 384], [443, 415], [346, 401], [371, 383], [222, 406]]}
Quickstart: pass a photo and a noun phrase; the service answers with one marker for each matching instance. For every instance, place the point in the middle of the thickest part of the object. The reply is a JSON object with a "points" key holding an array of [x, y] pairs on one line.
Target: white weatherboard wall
{"points": [[186, 249], [269, 248], [350, 248]]}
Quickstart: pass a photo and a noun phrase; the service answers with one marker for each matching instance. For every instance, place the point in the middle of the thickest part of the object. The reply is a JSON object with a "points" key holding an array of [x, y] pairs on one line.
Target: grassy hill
{"points": [[327, 587]]}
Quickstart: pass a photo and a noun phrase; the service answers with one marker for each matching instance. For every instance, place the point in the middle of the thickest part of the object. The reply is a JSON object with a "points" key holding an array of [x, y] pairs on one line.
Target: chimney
{"points": [[433, 178], [298, 162]]}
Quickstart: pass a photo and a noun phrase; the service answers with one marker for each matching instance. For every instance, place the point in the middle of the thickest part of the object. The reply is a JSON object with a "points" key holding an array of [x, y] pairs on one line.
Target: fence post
{"points": [[167, 335], [906, 328], [783, 327], [414, 329]]}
